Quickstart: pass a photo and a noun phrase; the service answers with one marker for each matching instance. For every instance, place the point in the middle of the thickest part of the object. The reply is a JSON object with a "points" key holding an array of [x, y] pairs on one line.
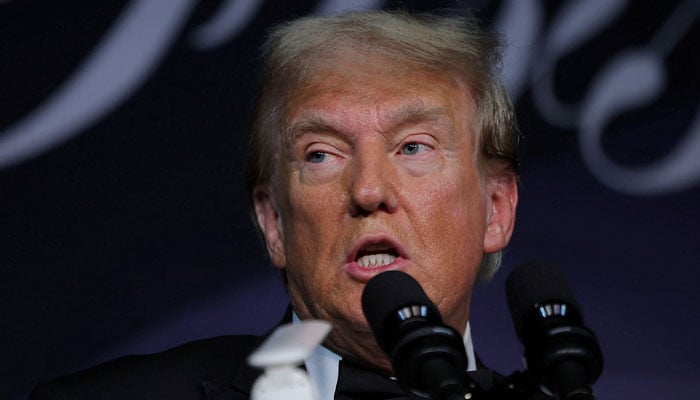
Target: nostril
{"points": [[365, 211]]}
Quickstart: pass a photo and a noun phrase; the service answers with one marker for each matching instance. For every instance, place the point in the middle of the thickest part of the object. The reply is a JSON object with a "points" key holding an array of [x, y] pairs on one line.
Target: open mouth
{"points": [[376, 257]]}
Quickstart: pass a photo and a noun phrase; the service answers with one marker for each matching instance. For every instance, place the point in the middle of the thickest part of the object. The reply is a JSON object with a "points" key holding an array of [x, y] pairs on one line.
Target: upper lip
{"points": [[376, 241]]}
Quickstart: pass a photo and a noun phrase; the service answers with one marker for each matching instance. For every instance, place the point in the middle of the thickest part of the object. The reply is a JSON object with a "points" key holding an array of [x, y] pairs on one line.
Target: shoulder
{"points": [[177, 373]]}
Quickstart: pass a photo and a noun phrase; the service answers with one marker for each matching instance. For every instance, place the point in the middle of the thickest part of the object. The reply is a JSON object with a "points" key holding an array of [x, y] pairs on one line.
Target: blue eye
{"points": [[412, 148], [316, 157]]}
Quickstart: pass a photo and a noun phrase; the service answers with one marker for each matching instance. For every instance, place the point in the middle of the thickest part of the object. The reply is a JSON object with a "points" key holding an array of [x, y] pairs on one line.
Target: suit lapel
{"points": [[240, 385]]}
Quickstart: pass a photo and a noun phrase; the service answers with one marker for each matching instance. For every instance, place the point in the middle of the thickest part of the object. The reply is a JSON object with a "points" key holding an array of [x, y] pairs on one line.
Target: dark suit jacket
{"points": [[211, 369]]}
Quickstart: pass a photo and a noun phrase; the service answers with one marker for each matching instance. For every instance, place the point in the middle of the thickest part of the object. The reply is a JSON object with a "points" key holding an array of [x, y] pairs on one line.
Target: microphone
{"points": [[427, 356], [560, 351]]}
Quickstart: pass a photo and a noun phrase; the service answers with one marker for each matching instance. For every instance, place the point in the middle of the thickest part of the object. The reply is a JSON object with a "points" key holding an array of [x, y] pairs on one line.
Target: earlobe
{"points": [[270, 223], [502, 198]]}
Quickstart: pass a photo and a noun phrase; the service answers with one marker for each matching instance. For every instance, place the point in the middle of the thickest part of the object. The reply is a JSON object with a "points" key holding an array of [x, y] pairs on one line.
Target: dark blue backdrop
{"points": [[124, 226]]}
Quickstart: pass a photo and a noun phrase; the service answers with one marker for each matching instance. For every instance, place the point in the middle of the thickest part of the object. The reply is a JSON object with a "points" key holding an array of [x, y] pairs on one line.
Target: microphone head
{"points": [[428, 358], [388, 292], [560, 351], [535, 283]]}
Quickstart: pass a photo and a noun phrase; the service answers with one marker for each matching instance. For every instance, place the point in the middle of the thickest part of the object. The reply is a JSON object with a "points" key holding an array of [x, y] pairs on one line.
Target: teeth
{"points": [[376, 260]]}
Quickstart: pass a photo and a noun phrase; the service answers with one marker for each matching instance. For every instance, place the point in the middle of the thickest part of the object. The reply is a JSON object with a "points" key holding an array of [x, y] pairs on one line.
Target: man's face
{"points": [[380, 175]]}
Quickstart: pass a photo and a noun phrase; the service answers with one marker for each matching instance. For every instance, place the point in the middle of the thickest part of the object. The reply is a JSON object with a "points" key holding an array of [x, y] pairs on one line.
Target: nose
{"points": [[373, 187]]}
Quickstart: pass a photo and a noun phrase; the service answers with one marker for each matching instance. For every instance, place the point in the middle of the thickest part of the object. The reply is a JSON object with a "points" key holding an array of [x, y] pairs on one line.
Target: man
{"points": [[382, 141]]}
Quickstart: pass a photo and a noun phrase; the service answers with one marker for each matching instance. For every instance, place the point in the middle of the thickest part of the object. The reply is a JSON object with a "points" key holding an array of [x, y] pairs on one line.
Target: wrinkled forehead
{"points": [[364, 76]]}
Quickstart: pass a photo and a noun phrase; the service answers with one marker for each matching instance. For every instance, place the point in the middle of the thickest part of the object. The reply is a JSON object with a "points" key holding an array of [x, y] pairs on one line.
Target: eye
{"points": [[316, 157], [413, 148]]}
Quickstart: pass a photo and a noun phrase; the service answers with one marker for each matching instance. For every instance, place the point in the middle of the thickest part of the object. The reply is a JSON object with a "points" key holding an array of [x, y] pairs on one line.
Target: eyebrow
{"points": [[417, 113], [317, 121]]}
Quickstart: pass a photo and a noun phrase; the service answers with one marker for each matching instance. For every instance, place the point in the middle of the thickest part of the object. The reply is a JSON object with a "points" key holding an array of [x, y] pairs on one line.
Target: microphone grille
{"points": [[387, 292], [534, 283]]}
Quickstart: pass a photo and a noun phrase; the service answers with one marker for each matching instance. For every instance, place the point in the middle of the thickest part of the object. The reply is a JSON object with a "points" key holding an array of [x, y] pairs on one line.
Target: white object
{"points": [[280, 355]]}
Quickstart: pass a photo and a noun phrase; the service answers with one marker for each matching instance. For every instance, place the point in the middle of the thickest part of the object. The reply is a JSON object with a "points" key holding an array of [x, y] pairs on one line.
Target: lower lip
{"points": [[362, 274]]}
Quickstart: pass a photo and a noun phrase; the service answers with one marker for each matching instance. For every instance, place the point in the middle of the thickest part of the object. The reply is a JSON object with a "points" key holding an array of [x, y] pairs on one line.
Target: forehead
{"points": [[362, 87]]}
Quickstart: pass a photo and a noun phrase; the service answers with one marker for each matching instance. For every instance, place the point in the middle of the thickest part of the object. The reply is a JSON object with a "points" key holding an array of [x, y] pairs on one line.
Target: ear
{"points": [[270, 222], [502, 200]]}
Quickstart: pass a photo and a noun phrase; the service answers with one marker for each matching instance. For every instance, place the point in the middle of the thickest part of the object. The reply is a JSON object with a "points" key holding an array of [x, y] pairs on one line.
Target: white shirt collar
{"points": [[322, 365]]}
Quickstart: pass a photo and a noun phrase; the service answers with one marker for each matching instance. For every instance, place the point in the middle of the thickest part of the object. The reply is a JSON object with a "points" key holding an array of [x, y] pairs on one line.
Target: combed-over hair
{"points": [[295, 51]]}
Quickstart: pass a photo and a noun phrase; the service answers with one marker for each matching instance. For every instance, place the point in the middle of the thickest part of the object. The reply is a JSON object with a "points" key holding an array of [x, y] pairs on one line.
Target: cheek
{"points": [[457, 219], [455, 214], [458, 200], [300, 200], [310, 214]]}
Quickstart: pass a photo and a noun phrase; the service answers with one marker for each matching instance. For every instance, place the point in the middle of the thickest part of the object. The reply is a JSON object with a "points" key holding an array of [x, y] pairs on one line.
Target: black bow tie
{"points": [[358, 383]]}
